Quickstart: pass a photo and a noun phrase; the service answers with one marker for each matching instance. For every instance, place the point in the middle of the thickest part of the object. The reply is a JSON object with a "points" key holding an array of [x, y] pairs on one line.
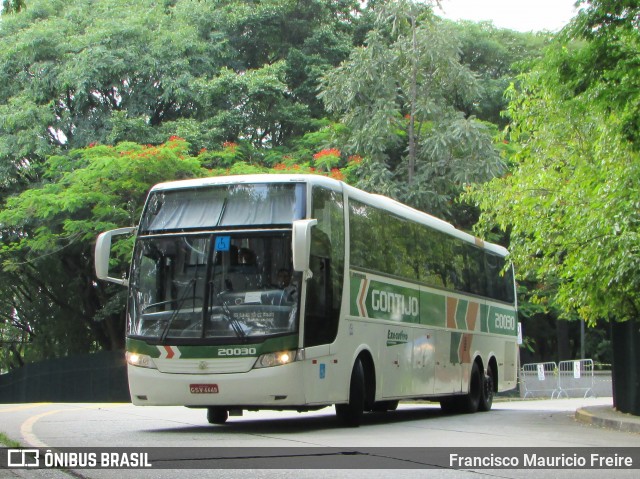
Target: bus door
{"points": [[323, 295]]}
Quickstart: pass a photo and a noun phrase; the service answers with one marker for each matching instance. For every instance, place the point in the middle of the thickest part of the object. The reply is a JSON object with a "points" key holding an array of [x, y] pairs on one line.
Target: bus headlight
{"points": [[140, 360], [277, 359]]}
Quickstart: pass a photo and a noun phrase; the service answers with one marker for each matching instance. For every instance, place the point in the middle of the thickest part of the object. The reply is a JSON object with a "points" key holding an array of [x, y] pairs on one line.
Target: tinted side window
{"points": [[388, 244], [499, 282]]}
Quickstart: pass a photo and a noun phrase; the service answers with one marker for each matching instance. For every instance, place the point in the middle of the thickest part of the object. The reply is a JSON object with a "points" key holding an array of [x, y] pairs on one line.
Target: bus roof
{"points": [[379, 201]]}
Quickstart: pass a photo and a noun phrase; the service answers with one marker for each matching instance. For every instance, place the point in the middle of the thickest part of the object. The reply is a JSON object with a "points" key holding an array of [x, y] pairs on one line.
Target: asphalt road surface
{"points": [[515, 424]]}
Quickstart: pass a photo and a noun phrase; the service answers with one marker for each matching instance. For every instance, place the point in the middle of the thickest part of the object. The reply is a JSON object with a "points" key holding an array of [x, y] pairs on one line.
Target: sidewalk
{"points": [[608, 417]]}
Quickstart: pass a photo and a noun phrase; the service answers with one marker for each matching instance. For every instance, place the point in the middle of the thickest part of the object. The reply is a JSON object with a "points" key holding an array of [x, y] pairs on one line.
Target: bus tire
{"points": [[486, 399], [217, 415], [471, 401], [350, 414]]}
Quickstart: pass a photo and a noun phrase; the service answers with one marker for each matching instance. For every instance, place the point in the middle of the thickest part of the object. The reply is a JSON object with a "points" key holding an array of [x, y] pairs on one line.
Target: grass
{"points": [[6, 441]]}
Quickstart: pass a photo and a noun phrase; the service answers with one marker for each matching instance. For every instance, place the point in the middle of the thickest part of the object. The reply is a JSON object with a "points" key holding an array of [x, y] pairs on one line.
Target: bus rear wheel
{"points": [[217, 415], [350, 414], [486, 399], [471, 401]]}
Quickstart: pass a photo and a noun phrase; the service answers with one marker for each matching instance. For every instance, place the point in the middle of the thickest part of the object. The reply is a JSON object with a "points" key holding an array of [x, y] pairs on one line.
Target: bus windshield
{"points": [[221, 287], [223, 206]]}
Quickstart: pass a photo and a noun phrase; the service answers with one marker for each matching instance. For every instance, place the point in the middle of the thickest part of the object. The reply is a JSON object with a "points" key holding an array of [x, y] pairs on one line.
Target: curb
{"points": [[607, 417]]}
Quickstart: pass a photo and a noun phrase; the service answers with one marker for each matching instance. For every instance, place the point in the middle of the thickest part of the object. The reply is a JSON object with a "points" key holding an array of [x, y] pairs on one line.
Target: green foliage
{"points": [[12, 6], [607, 65], [495, 56], [570, 205], [49, 296], [91, 190], [91, 89], [75, 73], [8, 442], [397, 96]]}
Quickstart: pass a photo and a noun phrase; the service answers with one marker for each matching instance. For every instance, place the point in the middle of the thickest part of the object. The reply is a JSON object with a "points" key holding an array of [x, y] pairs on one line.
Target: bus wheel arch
{"points": [[369, 379]]}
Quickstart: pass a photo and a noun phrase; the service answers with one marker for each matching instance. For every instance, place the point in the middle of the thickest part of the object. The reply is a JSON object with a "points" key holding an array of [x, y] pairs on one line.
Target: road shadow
{"points": [[318, 422]]}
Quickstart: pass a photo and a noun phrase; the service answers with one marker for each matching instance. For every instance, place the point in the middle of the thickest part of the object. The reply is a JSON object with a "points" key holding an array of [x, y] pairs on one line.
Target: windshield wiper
{"points": [[233, 322], [174, 315], [222, 209]]}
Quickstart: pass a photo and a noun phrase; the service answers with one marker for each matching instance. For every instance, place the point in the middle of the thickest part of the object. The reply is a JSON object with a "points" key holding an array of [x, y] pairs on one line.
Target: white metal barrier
{"points": [[539, 379], [575, 376]]}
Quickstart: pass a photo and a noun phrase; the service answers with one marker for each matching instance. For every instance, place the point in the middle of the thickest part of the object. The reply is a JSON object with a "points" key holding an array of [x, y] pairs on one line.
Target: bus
{"points": [[299, 292]]}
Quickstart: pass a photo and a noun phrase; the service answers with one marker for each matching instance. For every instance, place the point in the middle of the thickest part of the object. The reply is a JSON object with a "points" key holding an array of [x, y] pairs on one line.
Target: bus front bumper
{"points": [[273, 387]]}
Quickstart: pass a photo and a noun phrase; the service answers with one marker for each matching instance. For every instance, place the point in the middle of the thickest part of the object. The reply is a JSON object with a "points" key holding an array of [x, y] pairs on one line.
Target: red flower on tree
{"points": [[336, 174], [327, 158], [334, 152]]}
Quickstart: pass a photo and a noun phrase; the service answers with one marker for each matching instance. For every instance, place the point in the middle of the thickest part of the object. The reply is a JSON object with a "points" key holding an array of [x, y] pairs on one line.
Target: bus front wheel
{"points": [[350, 414], [216, 415]]}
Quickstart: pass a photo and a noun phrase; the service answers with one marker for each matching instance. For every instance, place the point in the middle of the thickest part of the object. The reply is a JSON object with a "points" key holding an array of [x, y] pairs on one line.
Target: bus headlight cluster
{"points": [[277, 359], [140, 360]]}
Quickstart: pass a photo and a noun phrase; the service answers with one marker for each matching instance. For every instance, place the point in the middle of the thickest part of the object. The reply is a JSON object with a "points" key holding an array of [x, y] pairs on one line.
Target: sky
{"points": [[519, 15]]}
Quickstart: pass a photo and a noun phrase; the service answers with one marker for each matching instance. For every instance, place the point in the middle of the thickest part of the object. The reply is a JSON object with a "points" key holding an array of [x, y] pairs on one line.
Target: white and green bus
{"points": [[298, 292]]}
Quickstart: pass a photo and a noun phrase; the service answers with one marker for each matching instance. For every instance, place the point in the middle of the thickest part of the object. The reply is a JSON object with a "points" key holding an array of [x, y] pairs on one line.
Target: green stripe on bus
{"points": [[372, 298], [195, 352], [454, 348], [502, 321], [484, 318], [461, 314], [433, 309]]}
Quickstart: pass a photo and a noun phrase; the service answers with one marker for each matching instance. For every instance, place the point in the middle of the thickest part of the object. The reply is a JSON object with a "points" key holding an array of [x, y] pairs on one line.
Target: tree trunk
{"points": [[625, 341], [562, 336]]}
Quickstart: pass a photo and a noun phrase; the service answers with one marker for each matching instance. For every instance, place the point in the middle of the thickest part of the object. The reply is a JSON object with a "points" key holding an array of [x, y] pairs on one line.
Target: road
{"points": [[526, 424]]}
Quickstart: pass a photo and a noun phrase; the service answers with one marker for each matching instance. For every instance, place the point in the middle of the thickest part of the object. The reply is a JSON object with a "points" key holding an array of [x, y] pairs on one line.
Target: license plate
{"points": [[203, 388]]}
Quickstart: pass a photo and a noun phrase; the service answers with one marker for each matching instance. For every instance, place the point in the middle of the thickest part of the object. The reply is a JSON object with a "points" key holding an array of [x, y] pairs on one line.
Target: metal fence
{"points": [[576, 376], [539, 379]]}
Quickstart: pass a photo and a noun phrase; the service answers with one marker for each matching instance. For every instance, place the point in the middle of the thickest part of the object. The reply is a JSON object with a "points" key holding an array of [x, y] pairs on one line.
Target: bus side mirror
{"points": [[301, 244], [103, 252]]}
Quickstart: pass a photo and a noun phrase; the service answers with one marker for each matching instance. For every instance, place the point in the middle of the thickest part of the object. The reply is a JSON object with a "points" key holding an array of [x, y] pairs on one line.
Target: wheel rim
{"points": [[488, 388]]}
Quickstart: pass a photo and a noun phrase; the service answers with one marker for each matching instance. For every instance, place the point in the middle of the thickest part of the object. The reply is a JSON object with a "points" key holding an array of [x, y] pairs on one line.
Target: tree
{"points": [[12, 6], [570, 205], [496, 56], [95, 72], [238, 79], [396, 95], [49, 296], [50, 303], [74, 73]]}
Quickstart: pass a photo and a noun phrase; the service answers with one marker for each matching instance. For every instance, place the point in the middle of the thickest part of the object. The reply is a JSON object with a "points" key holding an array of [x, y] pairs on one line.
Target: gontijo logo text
{"points": [[375, 299], [394, 303]]}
